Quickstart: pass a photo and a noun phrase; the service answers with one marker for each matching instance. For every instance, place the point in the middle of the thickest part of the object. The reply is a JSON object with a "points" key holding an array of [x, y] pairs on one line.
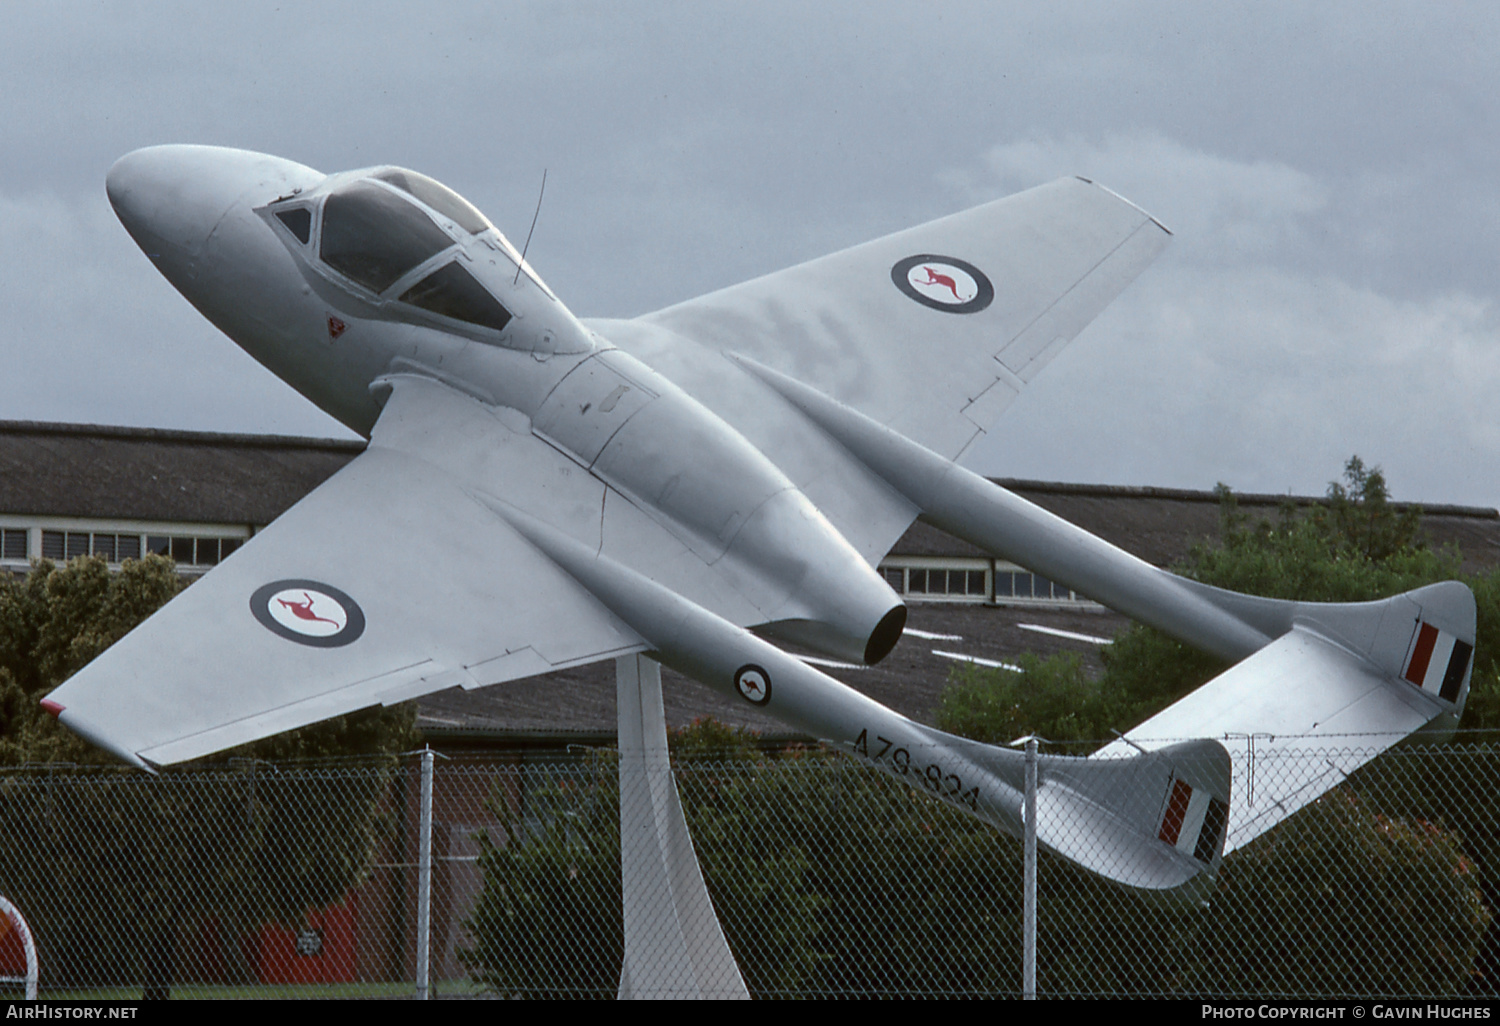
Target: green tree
{"points": [[1433, 828], [1359, 517], [125, 862], [552, 875], [997, 706], [829, 880], [548, 922], [1342, 900]]}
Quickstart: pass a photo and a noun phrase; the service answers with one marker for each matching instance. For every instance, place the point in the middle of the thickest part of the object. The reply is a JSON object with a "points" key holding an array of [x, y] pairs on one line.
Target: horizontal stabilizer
{"points": [[1346, 683], [1150, 820]]}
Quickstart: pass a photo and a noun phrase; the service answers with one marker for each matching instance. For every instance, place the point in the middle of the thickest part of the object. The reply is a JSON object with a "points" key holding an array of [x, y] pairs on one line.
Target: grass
{"points": [[395, 990]]}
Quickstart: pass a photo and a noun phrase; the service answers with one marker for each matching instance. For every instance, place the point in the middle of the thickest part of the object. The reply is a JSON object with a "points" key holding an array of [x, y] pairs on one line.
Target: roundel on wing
{"points": [[308, 612], [943, 283], [753, 683]]}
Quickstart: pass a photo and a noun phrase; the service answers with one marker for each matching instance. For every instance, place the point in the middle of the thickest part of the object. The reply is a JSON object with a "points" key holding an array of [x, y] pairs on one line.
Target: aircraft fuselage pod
{"points": [[341, 283]]}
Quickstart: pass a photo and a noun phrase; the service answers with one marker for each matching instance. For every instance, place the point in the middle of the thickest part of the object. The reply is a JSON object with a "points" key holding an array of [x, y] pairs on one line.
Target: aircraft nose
{"points": [[170, 198]]}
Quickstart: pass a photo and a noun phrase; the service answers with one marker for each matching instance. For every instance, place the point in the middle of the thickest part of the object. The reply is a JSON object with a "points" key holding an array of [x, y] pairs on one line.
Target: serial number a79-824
{"points": [[947, 786]]}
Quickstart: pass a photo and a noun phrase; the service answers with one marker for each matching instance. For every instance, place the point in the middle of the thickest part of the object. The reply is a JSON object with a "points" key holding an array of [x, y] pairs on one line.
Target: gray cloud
{"points": [[1232, 355], [1327, 169]]}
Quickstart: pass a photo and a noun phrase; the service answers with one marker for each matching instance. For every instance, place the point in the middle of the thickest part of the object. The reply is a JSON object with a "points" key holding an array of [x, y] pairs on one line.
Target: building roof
{"points": [[75, 470], [83, 470], [1161, 525]]}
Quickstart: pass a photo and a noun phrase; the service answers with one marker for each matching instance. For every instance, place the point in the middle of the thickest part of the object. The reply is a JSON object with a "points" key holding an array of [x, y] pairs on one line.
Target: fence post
{"points": [[424, 875], [1028, 912]]}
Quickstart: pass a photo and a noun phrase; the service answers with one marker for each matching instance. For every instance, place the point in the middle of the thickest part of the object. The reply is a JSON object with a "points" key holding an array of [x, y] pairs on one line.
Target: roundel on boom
{"points": [[753, 683]]}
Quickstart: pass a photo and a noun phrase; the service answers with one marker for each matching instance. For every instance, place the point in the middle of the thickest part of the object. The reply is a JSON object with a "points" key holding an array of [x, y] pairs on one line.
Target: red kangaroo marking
{"points": [[303, 610], [937, 278]]}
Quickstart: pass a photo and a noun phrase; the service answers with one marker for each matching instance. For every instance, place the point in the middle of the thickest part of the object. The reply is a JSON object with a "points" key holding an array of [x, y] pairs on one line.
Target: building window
{"points": [[969, 583], [189, 551], [963, 580], [59, 546], [1021, 584], [54, 545], [113, 548], [943, 581], [13, 543]]}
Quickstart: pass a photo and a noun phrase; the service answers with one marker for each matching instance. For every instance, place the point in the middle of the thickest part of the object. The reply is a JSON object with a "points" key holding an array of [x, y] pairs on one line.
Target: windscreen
{"points": [[374, 236], [454, 292], [298, 221]]}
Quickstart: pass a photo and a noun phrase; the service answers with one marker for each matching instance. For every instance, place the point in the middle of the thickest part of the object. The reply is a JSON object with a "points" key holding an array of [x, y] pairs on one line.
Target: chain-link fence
{"points": [[830, 880]]}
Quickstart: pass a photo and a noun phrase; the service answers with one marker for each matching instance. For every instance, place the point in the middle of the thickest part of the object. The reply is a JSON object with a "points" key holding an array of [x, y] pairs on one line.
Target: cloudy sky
{"points": [[1329, 172]]}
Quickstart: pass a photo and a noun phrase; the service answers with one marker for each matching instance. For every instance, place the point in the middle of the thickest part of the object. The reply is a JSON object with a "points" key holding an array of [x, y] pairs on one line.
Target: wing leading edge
{"points": [[934, 330], [389, 581]]}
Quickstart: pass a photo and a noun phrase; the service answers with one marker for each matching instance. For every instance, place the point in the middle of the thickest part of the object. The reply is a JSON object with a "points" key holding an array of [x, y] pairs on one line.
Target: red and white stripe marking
{"points": [[1183, 820], [1437, 661], [1193, 821]]}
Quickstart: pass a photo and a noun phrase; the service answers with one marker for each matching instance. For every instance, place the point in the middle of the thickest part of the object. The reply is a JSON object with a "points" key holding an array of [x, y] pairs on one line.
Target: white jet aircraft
{"points": [[703, 484]]}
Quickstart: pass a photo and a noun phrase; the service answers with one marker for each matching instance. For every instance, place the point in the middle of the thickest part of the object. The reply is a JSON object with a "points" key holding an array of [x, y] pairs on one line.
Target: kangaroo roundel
{"points": [[308, 612], [943, 283], [753, 684]]}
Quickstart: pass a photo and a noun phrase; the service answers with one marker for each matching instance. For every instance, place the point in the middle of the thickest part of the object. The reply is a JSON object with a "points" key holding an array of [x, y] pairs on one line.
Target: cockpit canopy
{"points": [[453, 292], [439, 197], [378, 230], [373, 236]]}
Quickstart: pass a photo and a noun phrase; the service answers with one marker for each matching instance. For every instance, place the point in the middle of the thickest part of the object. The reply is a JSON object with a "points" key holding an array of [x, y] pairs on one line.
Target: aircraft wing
{"points": [[389, 581], [864, 327], [931, 331]]}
